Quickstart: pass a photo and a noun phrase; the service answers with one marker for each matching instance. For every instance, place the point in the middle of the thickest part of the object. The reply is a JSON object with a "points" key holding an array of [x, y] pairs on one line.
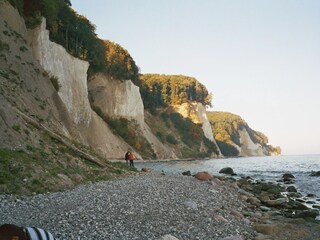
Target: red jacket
{"points": [[131, 156]]}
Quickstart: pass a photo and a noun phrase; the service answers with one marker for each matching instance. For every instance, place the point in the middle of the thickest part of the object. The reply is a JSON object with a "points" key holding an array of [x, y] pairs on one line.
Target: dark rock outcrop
{"points": [[186, 173], [315, 174], [227, 170]]}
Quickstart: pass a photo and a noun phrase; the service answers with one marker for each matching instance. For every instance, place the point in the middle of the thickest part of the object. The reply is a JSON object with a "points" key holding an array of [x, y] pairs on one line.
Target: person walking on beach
{"points": [[126, 157], [131, 158]]}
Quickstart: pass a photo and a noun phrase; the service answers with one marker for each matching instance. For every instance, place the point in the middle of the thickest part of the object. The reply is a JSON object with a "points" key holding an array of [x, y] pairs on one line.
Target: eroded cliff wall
{"points": [[197, 113], [68, 110], [122, 99], [71, 74], [247, 146], [25, 90], [116, 98]]}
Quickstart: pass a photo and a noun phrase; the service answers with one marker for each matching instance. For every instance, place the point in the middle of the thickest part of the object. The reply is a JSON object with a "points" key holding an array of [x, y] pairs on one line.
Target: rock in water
{"points": [[227, 170], [291, 189], [288, 178], [315, 174]]}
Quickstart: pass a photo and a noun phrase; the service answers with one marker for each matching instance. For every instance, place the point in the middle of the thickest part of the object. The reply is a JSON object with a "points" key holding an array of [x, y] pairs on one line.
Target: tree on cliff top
{"points": [[119, 63], [159, 90], [77, 35]]}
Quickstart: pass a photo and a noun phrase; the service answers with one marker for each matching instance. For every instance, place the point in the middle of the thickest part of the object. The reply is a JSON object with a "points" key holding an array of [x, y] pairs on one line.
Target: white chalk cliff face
{"points": [[116, 98], [197, 113], [206, 126], [248, 147], [72, 77], [70, 71]]}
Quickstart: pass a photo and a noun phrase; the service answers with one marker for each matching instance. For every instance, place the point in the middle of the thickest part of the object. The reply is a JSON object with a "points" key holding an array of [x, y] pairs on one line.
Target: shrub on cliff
{"points": [[119, 63], [226, 128], [159, 90], [77, 35]]}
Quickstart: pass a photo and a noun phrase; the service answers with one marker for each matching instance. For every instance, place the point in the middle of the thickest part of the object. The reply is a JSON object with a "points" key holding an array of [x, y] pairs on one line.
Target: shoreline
{"points": [[150, 205], [140, 206]]}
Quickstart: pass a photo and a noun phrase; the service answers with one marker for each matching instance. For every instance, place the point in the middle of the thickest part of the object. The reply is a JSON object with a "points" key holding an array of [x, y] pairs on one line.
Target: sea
{"points": [[269, 168]]}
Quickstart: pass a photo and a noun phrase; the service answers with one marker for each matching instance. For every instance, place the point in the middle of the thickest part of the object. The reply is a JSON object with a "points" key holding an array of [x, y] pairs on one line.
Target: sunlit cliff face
{"points": [[71, 73], [197, 113], [116, 98]]}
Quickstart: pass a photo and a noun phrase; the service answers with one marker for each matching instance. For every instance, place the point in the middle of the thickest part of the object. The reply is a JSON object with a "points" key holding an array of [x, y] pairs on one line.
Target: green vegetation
{"points": [[190, 133], [119, 63], [171, 139], [226, 128], [4, 74], [227, 149], [55, 83], [129, 132], [187, 137], [36, 170], [4, 46], [77, 35], [16, 127], [163, 90], [23, 49]]}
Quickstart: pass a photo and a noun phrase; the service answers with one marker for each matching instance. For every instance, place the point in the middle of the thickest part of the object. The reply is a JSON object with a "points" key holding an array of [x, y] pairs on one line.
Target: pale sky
{"points": [[259, 59]]}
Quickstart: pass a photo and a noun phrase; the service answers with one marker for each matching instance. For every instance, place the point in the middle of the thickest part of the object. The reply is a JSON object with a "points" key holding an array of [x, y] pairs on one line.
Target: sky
{"points": [[259, 59]]}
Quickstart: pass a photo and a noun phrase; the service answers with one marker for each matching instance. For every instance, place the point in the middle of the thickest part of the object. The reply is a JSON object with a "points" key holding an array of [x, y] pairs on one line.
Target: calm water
{"points": [[267, 168]]}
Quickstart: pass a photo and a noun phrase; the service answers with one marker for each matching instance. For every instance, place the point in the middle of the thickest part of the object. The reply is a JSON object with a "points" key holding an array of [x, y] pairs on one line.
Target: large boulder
{"points": [[227, 170], [254, 201], [288, 178], [307, 214], [315, 174], [203, 176], [276, 202], [291, 189]]}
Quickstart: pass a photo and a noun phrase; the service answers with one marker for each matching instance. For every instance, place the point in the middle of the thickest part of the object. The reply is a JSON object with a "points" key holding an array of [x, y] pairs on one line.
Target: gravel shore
{"points": [[144, 206]]}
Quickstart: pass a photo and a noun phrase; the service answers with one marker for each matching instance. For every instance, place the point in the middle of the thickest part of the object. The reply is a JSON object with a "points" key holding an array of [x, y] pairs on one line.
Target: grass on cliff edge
{"points": [[33, 171]]}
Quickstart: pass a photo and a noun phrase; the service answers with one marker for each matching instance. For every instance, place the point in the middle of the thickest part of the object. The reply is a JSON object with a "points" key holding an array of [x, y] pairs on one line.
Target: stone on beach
{"points": [[203, 176], [168, 237], [144, 206], [146, 170], [312, 213], [233, 238], [186, 173], [276, 202]]}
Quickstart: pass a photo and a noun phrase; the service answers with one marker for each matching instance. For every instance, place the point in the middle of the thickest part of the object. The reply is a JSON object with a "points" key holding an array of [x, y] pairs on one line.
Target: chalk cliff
{"points": [[71, 74], [122, 99], [248, 147], [70, 71], [26, 71], [197, 113], [236, 138], [25, 90], [116, 98]]}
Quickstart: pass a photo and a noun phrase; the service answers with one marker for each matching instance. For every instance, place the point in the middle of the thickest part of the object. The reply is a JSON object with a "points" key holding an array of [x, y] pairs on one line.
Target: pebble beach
{"points": [[141, 206]]}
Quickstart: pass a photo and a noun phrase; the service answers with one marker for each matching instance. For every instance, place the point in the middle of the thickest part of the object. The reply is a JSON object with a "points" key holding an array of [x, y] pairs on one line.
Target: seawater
{"points": [[269, 168]]}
